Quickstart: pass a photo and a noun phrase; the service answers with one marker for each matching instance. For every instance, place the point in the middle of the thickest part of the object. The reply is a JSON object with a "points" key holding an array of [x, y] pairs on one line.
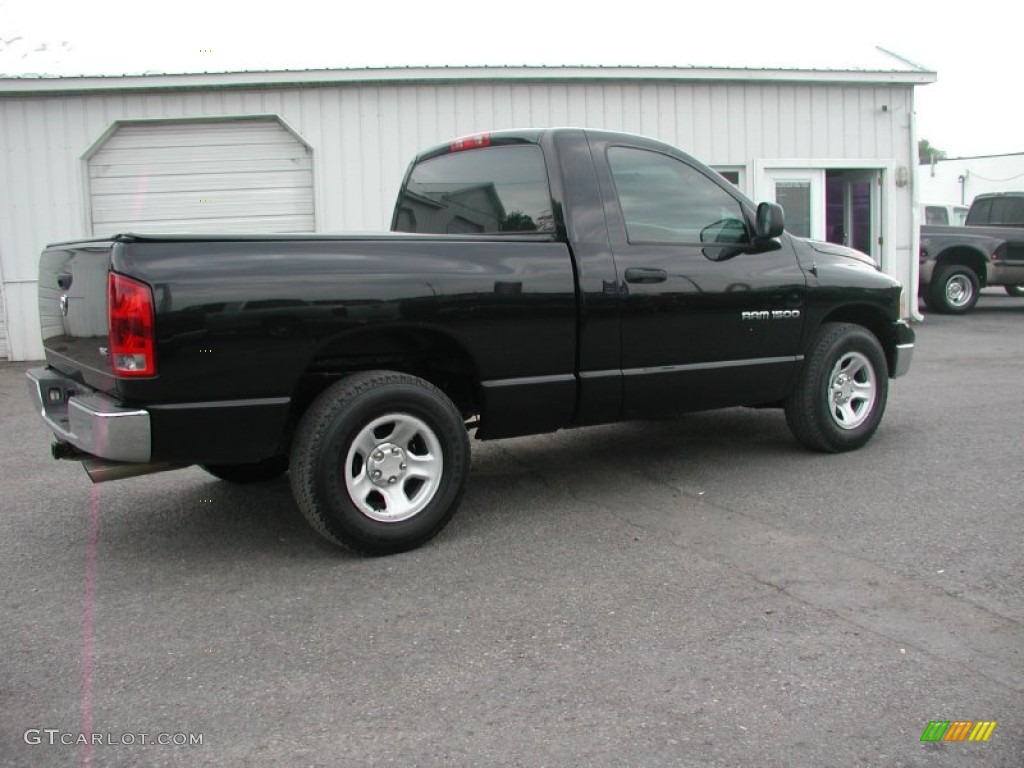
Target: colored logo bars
{"points": [[958, 730]]}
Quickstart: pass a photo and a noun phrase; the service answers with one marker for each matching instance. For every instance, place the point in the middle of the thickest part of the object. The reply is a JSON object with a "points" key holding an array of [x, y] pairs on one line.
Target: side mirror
{"points": [[770, 221]]}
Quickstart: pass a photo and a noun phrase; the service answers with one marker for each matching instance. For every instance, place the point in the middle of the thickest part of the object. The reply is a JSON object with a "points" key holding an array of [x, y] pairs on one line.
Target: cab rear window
{"points": [[496, 190], [1007, 212]]}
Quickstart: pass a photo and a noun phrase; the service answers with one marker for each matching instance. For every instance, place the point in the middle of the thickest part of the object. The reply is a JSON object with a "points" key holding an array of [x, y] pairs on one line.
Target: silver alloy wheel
{"points": [[394, 468], [851, 390], [959, 291]]}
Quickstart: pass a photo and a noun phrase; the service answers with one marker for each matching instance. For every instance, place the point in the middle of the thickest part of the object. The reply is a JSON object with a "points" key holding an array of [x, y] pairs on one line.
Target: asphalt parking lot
{"points": [[699, 592]]}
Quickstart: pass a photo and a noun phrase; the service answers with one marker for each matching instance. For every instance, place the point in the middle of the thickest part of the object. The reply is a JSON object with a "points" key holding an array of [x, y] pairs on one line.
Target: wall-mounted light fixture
{"points": [[962, 181]]}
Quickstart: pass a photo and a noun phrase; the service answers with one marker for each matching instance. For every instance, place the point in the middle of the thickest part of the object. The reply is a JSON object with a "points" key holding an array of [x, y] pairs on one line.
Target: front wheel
{"points": [[379, 462], [842, 390], [953, 290], [1015, 290]]}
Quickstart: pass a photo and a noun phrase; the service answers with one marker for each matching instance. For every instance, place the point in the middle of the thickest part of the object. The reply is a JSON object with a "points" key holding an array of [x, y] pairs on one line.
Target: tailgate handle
{"points": [[646, 275], [64, 280]]}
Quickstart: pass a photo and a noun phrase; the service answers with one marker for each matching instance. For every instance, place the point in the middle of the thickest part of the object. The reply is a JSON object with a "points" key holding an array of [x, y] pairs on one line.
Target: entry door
{"points": [[862, 211], [801, 193]]}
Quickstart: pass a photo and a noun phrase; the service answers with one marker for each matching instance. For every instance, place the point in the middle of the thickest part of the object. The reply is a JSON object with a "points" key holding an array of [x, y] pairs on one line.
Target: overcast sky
{"points": [[973, 109]]}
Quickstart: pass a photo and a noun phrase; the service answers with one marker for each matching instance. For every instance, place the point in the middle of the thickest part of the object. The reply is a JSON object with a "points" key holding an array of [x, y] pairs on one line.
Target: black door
{"points": [[705, 322]]}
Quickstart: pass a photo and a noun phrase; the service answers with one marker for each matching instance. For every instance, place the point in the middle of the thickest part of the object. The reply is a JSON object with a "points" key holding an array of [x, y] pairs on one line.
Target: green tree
{"points": [[926, 153], [517, 221]]}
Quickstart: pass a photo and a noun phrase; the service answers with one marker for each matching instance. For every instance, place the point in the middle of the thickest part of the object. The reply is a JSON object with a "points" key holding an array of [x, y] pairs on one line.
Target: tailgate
{"points": [[73, 311]]}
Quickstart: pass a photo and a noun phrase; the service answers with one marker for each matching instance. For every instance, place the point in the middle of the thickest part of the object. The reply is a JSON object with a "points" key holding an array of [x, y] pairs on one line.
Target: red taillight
{"points": [[130, 313], [476, 141]]}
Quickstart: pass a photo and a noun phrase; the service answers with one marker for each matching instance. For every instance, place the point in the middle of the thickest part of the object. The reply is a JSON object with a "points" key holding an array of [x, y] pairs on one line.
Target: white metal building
{"points": [[958, 179], [326, 150]]}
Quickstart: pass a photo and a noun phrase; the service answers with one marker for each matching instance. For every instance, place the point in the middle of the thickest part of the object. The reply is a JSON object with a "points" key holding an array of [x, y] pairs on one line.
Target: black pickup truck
{"points": [[536, 280], [956, 262]]}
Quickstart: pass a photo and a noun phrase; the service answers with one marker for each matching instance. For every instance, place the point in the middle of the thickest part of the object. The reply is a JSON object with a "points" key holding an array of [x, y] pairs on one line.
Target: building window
{"points": [[795, 199], [732, 174]]}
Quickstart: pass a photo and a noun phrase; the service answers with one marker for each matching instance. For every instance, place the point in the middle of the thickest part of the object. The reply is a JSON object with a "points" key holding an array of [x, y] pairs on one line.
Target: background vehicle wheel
{"points": [[953, 290], [1015, 290], [379, 462], [842, 391], [257, 472]]}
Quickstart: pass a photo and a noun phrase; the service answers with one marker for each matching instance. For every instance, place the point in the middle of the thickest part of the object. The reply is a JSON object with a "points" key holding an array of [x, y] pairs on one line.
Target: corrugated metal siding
{"points": [[363, 137], [220, 176], [381, 128]]}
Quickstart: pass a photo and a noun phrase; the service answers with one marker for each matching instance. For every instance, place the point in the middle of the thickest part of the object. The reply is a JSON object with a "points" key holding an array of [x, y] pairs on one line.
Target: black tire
{"points": [[842, 390], [1015, 290], [257, 472], [953, 290], [364, 431]]}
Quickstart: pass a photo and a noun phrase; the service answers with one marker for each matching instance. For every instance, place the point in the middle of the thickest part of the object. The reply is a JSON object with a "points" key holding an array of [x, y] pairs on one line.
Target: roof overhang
{"points": [[44, 84]]}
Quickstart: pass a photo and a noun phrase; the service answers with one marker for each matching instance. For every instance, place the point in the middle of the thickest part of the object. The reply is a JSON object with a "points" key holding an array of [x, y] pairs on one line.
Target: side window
{"points": [[664, 200], [478, 191], [935, 214]]}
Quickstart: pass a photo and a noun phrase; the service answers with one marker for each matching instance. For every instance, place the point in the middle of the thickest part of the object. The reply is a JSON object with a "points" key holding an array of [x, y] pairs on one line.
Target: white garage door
{"points": [[201, 176]]}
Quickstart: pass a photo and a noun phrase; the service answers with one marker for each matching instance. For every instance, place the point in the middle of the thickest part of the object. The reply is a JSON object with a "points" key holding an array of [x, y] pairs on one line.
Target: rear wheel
{"points": [[379, 462], [1015, 290], [841, 394], [953, 290]]}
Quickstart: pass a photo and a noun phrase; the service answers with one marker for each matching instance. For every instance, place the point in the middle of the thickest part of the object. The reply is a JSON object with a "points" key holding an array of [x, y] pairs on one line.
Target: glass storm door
{"points": [[801, 193]]}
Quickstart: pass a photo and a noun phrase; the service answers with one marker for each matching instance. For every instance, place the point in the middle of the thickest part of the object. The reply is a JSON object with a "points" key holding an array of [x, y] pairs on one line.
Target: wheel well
{"points": [[963, 256], [430, 355], [873, 320]]}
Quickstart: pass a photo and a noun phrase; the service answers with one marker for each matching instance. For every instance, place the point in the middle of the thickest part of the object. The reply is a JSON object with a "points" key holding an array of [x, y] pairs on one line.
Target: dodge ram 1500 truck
{"points": [[956, 262], [536, 280]]}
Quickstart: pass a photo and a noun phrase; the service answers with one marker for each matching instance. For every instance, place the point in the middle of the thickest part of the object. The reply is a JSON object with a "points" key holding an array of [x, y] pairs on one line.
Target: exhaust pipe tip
{"points": [[66, 451], [103, 471]]}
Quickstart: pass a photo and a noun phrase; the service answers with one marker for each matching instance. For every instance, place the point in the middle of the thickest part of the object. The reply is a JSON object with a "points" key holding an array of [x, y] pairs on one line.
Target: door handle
{"points": [[646, 275]]}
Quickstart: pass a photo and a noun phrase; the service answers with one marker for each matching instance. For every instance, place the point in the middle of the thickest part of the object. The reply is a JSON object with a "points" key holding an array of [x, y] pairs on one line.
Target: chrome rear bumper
{"points": [[91, 421]]}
